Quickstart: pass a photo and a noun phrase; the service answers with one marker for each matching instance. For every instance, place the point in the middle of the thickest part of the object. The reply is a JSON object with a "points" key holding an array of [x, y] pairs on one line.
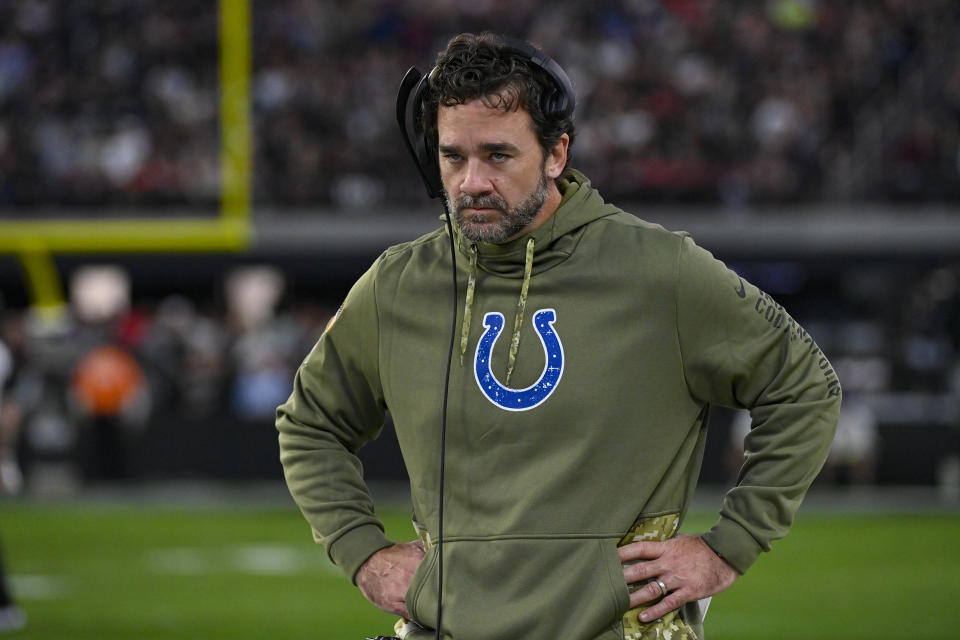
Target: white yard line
{"points": [[266, 559], [38, 587]]}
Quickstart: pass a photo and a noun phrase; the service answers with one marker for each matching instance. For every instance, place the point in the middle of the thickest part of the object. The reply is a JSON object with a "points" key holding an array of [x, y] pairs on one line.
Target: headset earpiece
{"points": [[409, 108], [558, 102]]}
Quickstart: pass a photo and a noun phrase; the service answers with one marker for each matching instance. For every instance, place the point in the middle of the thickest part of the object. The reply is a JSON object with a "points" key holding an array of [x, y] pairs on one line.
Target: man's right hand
{"points": [[386, 575]]}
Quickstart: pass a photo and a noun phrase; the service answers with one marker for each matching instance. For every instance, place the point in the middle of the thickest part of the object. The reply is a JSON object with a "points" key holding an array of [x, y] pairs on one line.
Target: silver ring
{"points": [[663, 587]]}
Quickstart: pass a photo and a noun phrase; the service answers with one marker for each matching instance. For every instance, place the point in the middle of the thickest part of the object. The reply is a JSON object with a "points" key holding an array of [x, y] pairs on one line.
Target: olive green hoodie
{"points": [[627, 334]]}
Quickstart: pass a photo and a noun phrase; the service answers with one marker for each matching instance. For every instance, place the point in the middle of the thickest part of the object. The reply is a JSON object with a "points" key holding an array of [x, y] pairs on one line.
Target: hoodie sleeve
{"points": [[741, 349], [337, 406]]}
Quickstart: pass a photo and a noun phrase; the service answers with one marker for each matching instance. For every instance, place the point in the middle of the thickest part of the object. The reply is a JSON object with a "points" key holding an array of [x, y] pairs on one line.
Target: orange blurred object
{"points": [[106, 380]]}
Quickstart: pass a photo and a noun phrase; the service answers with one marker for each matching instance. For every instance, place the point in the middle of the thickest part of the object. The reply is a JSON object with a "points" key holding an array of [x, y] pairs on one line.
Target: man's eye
{"points": [[499, 157], [451, 157]]}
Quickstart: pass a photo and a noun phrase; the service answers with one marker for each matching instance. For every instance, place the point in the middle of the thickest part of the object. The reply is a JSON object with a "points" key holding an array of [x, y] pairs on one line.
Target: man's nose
{"points": [[476, 179]]}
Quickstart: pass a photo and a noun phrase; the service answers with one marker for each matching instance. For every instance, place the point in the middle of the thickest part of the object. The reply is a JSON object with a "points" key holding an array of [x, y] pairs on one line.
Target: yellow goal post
{"points": [[35, 242]]}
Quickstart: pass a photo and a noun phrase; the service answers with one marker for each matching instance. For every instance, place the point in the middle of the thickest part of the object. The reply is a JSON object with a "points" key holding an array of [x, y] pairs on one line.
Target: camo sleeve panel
{"points": [[671, 626]]}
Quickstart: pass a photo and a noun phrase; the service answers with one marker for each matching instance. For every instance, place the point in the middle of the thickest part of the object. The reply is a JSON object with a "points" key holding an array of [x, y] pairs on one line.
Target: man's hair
{"points": [[479, 67]]}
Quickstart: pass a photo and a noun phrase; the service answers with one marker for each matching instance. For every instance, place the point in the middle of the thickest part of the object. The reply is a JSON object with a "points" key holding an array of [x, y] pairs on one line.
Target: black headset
{"points": [[557, 102]]}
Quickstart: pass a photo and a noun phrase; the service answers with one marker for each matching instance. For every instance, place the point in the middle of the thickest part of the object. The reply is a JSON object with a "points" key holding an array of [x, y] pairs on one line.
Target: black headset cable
{"points": [[443, 424]]}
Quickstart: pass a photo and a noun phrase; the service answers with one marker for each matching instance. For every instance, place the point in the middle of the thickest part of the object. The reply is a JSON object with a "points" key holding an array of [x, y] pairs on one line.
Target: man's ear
{"points": [[557, 158]]}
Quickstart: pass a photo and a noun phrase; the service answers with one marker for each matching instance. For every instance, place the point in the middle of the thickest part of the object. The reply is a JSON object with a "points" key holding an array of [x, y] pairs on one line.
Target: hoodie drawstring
{"points": [[468, 304], [521, 305]]}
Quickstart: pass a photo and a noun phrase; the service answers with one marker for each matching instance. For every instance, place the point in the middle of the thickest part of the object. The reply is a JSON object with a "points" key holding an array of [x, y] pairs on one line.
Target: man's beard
{"points": [[511, 222]]}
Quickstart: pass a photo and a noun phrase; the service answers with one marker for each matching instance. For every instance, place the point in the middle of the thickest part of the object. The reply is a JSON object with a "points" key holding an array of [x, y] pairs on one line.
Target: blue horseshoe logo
{"points": [[539, 391]]}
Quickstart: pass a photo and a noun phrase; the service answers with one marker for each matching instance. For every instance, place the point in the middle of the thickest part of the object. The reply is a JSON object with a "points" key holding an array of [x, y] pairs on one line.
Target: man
{"points": [[572, 449]]}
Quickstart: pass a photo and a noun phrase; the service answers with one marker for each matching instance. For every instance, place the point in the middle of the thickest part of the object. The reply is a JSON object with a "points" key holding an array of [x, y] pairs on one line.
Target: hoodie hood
{"points": [[530, 254], [554, 240]]}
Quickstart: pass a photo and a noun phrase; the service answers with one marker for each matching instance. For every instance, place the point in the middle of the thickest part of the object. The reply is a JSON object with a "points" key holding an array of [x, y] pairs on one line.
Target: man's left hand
{"points": [[686, 566]]}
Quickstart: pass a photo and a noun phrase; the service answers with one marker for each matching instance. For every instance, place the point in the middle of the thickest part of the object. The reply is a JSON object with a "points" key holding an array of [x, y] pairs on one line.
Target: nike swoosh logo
{"points": [[742, 291]]}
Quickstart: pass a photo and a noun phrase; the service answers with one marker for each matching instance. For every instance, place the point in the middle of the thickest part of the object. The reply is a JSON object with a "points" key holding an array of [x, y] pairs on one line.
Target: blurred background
{"points": [[189, 188]]}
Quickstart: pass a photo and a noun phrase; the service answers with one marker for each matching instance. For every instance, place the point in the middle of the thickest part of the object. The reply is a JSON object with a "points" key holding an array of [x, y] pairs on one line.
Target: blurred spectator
{"points": [[11, 617], [11, 478], [107, 392], [261, 352], [716, 102], [48, 438], [110, 393]]}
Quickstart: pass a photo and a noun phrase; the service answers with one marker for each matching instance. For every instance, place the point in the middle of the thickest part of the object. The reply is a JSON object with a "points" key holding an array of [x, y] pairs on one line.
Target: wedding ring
{"points": [[663, 587]]}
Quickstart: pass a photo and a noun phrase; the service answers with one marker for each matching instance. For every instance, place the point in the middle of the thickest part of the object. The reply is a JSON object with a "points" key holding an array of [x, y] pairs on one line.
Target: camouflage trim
{"points": [[671, 626], [656, 528], [521, 305]]}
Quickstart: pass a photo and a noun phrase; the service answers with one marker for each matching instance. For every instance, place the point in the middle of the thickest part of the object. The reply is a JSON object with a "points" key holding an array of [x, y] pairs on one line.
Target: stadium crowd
{"points": [[111, 104]]}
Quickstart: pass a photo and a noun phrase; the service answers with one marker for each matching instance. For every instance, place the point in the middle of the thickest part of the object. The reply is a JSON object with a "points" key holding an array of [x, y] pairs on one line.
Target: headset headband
{"points": [[558, 102]]}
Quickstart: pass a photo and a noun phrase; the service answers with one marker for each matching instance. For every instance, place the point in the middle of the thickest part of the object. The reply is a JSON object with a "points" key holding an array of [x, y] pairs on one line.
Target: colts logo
{"points": [[539, 391]]}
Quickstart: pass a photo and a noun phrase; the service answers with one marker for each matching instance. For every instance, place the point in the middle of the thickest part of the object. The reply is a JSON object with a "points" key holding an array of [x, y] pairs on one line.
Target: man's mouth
{"points": [[480, 215], [480, 206]]}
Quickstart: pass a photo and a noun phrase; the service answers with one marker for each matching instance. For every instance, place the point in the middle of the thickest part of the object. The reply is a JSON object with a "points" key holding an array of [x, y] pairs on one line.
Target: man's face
{"points": [[494, 172]]}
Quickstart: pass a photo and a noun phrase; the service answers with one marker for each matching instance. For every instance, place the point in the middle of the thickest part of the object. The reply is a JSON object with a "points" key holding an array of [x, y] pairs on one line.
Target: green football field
{"points": [[102, 570]]}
